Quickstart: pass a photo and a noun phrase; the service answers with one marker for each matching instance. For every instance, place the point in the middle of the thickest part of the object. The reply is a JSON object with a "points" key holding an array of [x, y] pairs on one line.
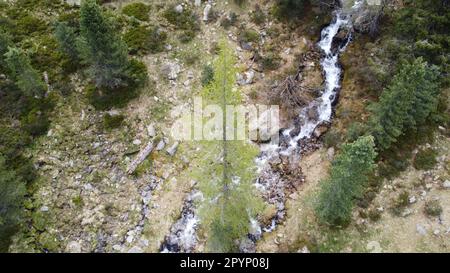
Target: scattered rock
{"points": [[44, 209], [171, 70], [197, 3], [412, 200]]}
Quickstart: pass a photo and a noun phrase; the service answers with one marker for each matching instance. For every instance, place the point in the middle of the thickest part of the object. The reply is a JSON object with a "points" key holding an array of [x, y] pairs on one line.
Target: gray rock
{"points": [[420, 229], [197, 3], [161, 144], [330, 153], [151, 130], [73, 247], [179, 8], [446, 184], [173, 149], [206, 12], [171, 70], [135, 249], [44, 209]]}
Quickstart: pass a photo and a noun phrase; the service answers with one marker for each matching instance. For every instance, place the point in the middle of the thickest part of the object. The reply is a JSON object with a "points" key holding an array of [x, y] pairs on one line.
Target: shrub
{"points": [[289, 9], [433, 208], [185, 20], [425, 159], [355, 130], [332, 138], [270, 62], [249, 35], [36, 123], [258, 16], [144, 39], [207, 75], [229, 20], [137, 10], [112, 122]]}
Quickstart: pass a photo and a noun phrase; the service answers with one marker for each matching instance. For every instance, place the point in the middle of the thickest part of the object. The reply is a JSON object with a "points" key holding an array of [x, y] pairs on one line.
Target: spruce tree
{"points": [[406, 103], [67, 39], [225, 169], [101, 48], [348, 176], [26, 77]]}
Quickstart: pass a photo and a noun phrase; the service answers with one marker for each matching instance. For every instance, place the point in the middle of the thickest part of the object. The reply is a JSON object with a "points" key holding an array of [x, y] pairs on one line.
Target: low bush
{"points": [[137, 10], [425, 159], [112, 121], [143, 39], [433, 208]]}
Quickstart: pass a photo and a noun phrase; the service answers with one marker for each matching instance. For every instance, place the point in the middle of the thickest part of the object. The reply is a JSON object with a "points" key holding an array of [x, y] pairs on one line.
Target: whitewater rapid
{"points": [[183, 237]]}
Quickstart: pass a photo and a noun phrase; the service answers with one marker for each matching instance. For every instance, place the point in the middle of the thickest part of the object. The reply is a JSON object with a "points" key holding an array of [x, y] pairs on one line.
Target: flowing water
{"points": [[183, 238], [270, 183]]}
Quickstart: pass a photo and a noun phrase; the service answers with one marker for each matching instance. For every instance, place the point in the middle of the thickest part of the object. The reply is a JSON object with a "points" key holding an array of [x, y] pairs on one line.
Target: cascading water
{"points": [[183, 238], [270, 183]]}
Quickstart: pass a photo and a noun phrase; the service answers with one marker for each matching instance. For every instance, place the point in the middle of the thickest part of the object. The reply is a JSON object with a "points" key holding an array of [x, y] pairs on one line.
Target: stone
{"points": [[137, 142], [206, 12], [320, 130], [420, 229], [135, 249], [412, 200], [312, 113], [171, 70], [446, 184], [197, 3], [173, 149], [161, 144], [73, 247], [44, 209], [330, 153], [151, 130], [179, 9]]}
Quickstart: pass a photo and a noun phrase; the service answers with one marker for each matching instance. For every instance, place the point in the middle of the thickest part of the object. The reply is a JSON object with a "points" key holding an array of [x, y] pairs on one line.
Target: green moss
{"points": [[137, 10], [207, 75], [271, 62], [78, 201]]}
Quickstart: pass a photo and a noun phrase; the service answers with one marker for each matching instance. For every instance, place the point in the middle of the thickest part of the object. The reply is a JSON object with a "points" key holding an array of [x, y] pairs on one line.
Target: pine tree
{"points": [[225, 169], [67, 39], [12, 192], [27, 78], [348, 176], [406, 103], [101, 48]]}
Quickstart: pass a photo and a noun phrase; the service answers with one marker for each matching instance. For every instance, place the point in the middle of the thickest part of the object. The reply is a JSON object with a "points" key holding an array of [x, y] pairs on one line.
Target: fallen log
{"points": [[142, 155]]}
